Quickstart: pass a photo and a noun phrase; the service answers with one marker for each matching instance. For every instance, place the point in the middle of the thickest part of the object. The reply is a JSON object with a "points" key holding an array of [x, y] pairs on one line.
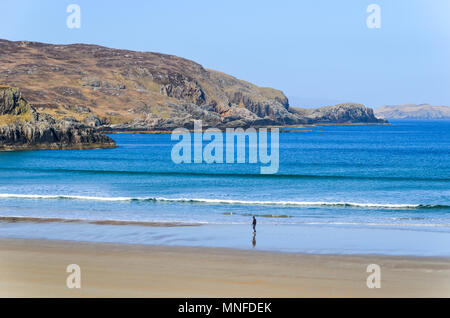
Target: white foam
{"points": [[215, 201], [55, 197]]}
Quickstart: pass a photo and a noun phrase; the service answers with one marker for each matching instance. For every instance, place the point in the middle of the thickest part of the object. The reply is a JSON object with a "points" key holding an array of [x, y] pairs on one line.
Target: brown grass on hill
{"points": [[110, 80]]}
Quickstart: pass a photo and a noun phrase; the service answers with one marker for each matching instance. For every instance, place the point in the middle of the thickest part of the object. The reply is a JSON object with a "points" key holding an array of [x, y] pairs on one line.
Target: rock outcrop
{"points": [[340, 114], [22, 127], [114, 89]]}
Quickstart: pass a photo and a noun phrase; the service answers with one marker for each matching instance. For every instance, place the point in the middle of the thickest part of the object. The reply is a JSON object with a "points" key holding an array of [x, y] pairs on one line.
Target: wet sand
{"points": [[17, 219], [37, 268]]}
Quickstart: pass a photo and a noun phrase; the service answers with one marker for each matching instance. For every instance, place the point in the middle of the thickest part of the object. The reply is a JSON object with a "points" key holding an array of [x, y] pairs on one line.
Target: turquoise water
{"points": [[380, 189]]}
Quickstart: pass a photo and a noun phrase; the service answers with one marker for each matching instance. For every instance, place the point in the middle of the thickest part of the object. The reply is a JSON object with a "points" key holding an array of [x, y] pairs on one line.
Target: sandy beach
{"points": [[35, 268]]}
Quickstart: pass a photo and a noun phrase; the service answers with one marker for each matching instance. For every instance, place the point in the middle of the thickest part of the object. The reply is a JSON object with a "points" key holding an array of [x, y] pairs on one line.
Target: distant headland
{"points": [[414, 112]]}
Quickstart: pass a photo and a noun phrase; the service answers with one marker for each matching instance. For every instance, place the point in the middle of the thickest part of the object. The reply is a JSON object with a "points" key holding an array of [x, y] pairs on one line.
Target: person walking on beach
{"points": [[254, 224]]}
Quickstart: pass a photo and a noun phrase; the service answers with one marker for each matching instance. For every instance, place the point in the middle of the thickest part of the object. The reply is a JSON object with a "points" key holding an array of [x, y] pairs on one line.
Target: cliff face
{"points": [[340, 114], [414, 112], [21, 127], [127, 90]]}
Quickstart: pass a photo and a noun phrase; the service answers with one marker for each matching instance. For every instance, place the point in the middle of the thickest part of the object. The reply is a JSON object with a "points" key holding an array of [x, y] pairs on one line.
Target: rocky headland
{"points": [[23, 128], [120, 90]]}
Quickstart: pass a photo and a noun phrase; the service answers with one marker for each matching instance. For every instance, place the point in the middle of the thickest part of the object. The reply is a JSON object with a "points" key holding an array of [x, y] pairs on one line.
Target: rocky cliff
{"points": [[22, 127], [339, 114], [414, 112], [127, 90]]}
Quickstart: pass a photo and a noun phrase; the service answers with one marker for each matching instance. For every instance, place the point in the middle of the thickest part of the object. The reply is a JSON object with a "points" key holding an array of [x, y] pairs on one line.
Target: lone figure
{"points": [[254, 224]]}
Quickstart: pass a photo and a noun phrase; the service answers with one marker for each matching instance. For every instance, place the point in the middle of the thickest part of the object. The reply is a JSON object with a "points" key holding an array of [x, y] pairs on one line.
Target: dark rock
{"points": [[93, 121], [92, 82]]}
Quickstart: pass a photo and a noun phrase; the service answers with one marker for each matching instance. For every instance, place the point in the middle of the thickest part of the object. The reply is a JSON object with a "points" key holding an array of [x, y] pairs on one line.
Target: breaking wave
{"points": [[226, 202]]}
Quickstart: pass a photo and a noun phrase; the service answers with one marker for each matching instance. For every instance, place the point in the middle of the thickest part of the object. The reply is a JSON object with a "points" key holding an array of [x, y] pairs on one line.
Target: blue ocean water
{"points": [[366, 189]]}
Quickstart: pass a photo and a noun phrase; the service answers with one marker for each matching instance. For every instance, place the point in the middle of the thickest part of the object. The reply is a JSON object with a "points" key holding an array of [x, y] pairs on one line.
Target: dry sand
{"points": [[31, 268]]}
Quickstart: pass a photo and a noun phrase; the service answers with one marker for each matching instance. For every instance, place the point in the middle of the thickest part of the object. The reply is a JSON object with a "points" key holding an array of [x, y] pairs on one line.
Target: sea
{"points": [[339, 189]]}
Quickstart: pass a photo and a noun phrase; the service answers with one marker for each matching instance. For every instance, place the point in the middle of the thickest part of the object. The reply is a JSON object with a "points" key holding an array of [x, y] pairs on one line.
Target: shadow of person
{"points": [[254, 239]]}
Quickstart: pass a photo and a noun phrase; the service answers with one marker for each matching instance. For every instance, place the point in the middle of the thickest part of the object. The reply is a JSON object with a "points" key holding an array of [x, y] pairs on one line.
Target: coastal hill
{"points": [[414, 112], [23, 128], [124, 90], [341, 113]]}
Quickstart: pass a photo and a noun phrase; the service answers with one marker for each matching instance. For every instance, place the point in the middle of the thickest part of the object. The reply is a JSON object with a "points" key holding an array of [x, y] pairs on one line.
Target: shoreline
{"points": [[37, 268], [282, 128], [209, 247], [285, 238], [10, 148], [38, 220]]}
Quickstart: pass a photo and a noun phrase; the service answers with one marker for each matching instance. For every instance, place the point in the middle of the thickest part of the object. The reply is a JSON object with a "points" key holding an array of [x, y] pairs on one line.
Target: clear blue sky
{"points": [[318, 51]]}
